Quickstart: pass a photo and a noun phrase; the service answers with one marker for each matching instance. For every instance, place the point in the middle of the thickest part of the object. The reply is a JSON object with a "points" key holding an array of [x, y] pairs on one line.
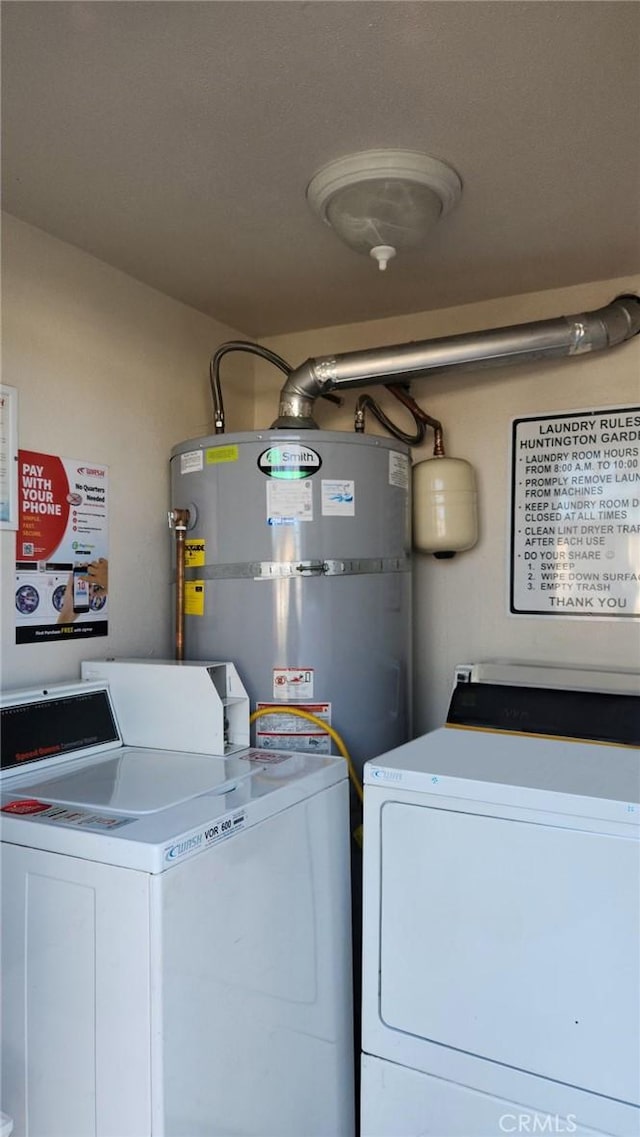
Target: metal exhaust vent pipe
{"points": [[545, 339]]}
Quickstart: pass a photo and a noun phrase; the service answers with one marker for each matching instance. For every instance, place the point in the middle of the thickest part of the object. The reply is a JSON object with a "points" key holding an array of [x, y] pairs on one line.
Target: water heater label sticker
{"points": [[283, 731], [217, 454], [194, 553], [305, 743], [194, 598], [398, 470], [292, 683], [191, 462], [338, 498], [288, 502], [575, 514]]}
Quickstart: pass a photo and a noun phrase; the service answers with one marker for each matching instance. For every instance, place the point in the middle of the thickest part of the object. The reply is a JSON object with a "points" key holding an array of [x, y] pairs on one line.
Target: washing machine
{"points": [[175, 932], [29, 599], [501, 975]]}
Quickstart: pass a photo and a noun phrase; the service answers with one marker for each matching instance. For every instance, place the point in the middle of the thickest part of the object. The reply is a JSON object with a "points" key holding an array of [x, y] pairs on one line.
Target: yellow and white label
{"points": [[194, 598], [217, 454], [194, 552]]}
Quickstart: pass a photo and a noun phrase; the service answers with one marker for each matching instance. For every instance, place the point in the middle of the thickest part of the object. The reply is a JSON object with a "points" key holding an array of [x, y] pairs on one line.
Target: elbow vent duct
{"points": [[545, 339]]}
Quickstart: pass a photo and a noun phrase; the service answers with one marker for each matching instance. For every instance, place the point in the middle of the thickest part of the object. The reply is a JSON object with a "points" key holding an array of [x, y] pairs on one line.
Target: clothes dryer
{"points": [[501, 987]]}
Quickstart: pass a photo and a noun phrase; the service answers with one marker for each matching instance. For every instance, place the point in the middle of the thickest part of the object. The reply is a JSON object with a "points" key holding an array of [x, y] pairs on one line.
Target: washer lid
{"points": [[97, 812], [136, 781]]}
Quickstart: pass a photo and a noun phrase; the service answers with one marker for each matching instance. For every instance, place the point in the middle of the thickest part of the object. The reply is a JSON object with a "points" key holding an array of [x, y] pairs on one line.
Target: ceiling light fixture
{"points": [[380, 201]]}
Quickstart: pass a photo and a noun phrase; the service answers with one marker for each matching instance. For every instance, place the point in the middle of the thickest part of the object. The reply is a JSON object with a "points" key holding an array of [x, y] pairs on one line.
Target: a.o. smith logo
{"points": [[290, 461]]}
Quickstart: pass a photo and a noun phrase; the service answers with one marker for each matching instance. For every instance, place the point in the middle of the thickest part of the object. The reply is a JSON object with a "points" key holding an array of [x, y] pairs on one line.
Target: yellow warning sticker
{"points": [[217, 454], [194, 598], [194, 552]]}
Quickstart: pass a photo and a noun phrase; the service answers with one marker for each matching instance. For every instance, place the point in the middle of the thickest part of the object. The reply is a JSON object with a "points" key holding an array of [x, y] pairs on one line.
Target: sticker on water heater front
{"points": [[191, 462], [338, 498], [398, 470], [286, 731], [194, 552], [292, 683], [218, 454], [281, 721], [194, 598], [288, 502]]}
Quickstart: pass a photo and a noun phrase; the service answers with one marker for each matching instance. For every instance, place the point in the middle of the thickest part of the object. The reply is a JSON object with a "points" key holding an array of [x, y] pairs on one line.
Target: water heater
{"points": [[298, 569]]}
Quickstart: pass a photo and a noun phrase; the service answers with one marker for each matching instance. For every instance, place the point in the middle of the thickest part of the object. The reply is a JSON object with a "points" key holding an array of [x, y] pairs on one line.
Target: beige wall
{"points": [[110, 371], [461, 606]]}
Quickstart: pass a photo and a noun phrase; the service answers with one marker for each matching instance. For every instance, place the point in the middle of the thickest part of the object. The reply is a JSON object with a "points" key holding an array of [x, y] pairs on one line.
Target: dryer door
{"points": [[513, 941]]}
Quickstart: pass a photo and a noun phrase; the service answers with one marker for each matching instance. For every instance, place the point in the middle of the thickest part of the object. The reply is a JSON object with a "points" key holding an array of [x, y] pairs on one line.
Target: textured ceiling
{"points": [[175, 141]]}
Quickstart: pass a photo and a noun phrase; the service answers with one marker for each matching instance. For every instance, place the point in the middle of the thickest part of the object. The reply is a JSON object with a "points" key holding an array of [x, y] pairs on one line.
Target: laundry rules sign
{"points": [[575, 514]]}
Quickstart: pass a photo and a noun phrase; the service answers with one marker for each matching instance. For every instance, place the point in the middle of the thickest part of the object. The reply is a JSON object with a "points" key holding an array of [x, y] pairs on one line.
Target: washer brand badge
{"points": [[181, 848], [388, 775], [290, 462]]}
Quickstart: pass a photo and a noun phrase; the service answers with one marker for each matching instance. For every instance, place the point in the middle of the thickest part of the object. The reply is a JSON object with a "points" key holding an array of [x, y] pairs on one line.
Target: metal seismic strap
{"points": [[279, 570]]}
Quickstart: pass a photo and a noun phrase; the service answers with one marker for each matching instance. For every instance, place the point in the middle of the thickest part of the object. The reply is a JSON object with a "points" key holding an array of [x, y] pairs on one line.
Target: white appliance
{"points": [[199, 706], [501, 982], [175, 933]]}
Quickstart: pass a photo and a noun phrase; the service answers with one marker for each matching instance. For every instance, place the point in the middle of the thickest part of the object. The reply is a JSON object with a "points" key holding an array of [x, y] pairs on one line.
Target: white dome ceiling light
{"points": [[383, 201]]}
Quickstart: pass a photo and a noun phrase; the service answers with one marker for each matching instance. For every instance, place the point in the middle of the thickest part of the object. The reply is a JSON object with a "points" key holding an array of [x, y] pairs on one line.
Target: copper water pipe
{"points": [[179, 521], [417, 411]]}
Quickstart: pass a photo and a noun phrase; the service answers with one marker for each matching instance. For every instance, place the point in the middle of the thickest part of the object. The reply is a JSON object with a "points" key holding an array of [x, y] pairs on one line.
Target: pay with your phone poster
{"points": [[62, 564]]}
